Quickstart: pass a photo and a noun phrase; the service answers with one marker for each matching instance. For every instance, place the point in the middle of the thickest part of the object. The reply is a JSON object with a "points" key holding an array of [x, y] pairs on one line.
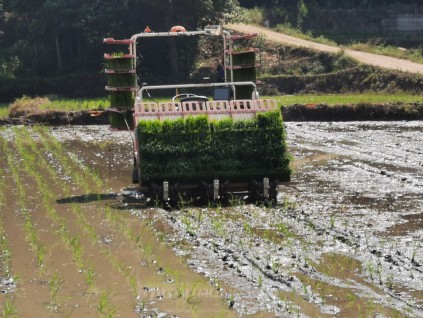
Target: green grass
{"points": [[44, 103], [289, 30], [79, 104], [4, 110], [415, 55], [344, 99]]}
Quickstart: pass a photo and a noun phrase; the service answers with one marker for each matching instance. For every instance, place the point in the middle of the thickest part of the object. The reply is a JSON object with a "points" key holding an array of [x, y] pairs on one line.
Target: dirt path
{"points": [[363, 57]]}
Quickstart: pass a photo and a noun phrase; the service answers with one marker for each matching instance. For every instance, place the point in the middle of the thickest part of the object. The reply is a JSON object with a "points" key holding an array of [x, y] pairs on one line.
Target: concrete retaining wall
{"points": [[403, 22]]}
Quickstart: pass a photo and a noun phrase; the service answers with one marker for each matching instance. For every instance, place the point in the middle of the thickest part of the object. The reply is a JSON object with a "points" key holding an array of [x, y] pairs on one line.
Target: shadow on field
{"points": [[92, 197]]}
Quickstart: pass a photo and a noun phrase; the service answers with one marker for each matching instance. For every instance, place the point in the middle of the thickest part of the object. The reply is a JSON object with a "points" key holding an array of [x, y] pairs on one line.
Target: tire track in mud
{"points": [[249, 266], [379, 166]]}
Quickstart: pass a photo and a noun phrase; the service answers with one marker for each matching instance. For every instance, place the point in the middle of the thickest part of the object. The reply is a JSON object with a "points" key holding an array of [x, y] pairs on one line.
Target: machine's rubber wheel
{"points": [[254, 193], [135, 175], [273, 194]]}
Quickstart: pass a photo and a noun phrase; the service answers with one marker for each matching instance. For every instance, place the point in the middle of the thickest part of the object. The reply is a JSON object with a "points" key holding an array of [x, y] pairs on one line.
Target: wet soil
{"points": [[344, 240]]}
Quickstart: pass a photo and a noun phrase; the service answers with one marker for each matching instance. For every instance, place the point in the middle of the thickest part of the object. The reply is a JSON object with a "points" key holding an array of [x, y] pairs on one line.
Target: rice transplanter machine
{"points": [[196, 145]]}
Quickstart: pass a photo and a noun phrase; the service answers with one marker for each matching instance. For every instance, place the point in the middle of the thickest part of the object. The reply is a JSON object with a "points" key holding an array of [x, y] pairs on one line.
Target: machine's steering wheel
{"points": [[186, 97], [181, 96]]}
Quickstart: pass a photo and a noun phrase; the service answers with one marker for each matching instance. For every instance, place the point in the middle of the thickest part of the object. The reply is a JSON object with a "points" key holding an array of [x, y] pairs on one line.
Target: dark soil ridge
{"points": [[296, 112], [57, 118], [358, 112]]}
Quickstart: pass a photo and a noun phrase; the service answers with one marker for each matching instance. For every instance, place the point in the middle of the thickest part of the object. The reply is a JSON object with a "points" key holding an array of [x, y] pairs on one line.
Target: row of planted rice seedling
{"points": [[82, 180], [33, 158], [22, 200], [4, 246], [7, 307], [72, 242], [42, 163], [197, 148], [83, 176]]}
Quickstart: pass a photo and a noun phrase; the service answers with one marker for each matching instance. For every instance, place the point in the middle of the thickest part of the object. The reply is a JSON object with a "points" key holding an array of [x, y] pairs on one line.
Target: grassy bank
{"points": [[26, 104], [31, 105], [4, 110], [347, 99]]}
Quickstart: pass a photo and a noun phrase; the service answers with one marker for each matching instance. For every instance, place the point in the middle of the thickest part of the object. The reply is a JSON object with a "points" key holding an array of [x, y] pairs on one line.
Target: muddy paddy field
{"points": [[345, 239]]}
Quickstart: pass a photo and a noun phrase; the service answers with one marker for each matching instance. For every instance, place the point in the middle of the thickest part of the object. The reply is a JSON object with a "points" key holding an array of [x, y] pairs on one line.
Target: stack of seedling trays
{"points": [[121, 84], [197, 149], [244, 70]]}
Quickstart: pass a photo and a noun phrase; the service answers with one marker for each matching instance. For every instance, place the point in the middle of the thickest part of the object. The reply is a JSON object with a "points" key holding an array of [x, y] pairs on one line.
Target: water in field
{"points": [[344, 241]]}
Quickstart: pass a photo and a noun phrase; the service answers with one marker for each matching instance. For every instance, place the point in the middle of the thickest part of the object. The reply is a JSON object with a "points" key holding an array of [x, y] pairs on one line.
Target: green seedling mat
{"points": [[197, 149]]}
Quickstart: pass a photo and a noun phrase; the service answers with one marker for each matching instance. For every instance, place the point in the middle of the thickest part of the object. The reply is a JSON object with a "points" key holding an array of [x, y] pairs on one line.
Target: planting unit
{"points": [[203, 146]]}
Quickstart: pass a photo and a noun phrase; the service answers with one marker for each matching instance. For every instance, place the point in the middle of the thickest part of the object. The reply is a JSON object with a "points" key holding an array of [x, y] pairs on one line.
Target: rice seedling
{"points": [[260, 281], [414, 253], [8, 308], [148, 249], [218, 228], [390, 281], [187, 222], [370, 269], [55, 284], [332, 220], [284, 230], [77, 250], [192, 299], [105, 307], [379, 273], [247, 228], [231, 300], [180, 290], [276, 267], [90, 277], [133, 285]]}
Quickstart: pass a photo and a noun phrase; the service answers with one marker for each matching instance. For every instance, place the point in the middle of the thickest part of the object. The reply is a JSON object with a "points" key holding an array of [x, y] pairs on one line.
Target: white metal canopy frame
{"points": [[210, 30]]}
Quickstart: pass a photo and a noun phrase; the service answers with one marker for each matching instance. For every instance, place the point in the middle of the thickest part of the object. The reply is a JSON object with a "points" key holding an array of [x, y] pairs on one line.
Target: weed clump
{"points": [[25, 106]]}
